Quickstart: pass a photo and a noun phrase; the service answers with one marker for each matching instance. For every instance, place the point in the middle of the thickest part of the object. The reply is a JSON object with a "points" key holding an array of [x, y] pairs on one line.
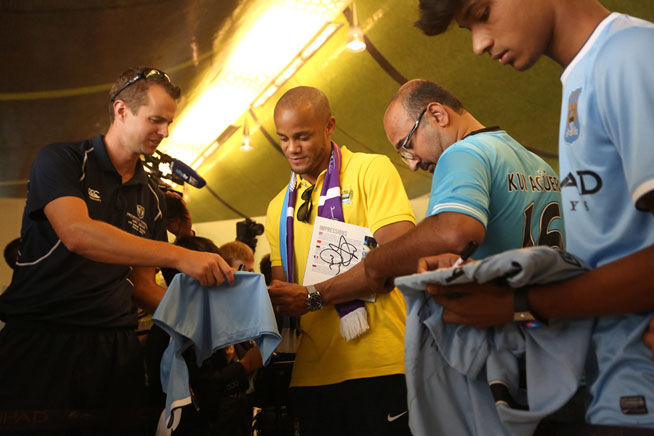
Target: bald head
{"points": [[416, 94], [422, 120], [303, 97]]}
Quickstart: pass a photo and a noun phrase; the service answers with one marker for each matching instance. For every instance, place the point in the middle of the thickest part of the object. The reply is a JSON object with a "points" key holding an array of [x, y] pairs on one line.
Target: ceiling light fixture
{"points": [[245, 141], [355, 41]]}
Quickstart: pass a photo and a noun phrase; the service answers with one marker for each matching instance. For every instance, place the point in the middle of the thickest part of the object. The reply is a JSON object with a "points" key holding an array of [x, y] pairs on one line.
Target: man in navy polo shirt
{"points": [[93, 231]]}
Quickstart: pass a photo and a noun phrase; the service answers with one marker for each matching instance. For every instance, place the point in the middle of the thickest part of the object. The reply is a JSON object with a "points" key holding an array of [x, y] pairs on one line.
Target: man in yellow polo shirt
{"points": [[339, 386]]}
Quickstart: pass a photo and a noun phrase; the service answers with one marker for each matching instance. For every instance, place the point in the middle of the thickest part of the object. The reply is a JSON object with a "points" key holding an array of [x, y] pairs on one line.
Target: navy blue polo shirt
{"points": [[53, 284]]}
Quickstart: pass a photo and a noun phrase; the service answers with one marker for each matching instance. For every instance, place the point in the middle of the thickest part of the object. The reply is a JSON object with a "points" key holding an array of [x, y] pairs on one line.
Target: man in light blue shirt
{"points": [[607, 179], [487, 189]]}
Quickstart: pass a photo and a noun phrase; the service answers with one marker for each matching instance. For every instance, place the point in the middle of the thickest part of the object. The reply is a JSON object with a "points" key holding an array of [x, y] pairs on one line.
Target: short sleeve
{"points": [[55, 173], [461, 183], [386, 198], [624, 82]]}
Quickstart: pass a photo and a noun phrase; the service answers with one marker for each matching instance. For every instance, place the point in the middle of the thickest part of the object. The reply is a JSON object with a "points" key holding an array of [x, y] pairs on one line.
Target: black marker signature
{"points": [[339, 255]]}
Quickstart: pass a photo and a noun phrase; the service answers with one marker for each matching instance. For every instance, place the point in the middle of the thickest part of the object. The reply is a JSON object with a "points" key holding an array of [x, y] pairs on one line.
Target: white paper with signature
{"points": [[335, 248]]}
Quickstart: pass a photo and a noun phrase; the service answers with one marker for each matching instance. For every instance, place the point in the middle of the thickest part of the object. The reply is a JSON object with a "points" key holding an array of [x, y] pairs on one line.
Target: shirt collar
{"points": [[100, 149], [485, 129], [588, 44], [346, 157]]}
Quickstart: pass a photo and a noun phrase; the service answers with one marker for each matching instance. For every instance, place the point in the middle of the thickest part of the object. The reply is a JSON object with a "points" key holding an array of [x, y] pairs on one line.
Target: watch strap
{"points": [[521, 312]]}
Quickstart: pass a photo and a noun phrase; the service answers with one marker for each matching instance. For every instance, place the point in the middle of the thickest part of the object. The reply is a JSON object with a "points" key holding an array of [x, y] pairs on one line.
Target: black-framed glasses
{"points": [[145, 74], [404, 148], [304, 211]]}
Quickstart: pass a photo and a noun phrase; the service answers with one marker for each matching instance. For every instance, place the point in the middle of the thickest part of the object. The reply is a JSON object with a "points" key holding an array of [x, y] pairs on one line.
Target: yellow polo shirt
{"points": [[372, 196]]}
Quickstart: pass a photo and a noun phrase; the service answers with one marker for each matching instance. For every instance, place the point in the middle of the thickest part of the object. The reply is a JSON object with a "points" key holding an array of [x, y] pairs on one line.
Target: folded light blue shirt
{"points": [[210, 317], [465, 381]]}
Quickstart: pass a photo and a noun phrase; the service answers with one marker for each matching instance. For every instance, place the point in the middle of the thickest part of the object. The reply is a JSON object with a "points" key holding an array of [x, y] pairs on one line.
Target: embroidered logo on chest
{"points": [[140, 211], [136, 221], [346, 195], [94, 195], [572, 120]]}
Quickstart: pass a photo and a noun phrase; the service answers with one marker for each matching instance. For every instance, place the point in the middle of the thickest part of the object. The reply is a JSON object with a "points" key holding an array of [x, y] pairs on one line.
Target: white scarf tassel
{"points": [[354, 324]]}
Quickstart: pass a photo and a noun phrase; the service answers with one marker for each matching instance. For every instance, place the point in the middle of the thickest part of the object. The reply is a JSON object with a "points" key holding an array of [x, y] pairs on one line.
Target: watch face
{"points": [[314, 301]]}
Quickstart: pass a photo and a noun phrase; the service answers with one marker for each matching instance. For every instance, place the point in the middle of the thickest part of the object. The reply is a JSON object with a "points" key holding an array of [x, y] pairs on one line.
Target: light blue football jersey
{"points": [[606, 152], [514, 193]]}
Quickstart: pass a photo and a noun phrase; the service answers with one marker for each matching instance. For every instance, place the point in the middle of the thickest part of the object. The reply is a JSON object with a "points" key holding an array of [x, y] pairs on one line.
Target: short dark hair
{"points": [[305, 95], [191, 242], [135, 94], [436, 15], [416, 94], [198, 243], [12, 251]]}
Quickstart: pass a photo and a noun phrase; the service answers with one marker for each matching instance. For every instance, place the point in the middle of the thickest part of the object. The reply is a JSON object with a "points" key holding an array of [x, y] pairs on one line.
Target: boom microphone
{"points": [[187, 173], [183, 171]]}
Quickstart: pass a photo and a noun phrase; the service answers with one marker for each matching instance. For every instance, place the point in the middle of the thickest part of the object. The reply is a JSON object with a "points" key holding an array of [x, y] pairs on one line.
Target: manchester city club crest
{"points": [[140, 211], [572, 121]]}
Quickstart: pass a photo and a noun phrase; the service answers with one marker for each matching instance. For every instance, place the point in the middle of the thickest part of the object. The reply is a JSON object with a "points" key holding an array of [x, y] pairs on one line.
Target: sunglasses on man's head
{"points": [[146, 75], [304, 211]]}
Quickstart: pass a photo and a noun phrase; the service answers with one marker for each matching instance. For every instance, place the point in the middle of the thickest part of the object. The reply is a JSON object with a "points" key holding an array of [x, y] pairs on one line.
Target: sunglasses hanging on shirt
{"points": [[304, 211]]}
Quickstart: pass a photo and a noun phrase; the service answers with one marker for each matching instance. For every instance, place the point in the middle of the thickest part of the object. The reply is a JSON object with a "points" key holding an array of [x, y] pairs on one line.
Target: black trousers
{"points": [[67, 380], [368, 406]]}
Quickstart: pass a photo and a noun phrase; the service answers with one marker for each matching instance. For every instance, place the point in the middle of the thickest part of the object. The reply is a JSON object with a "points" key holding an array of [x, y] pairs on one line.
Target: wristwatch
{"points": [[521, 312], [314, 299]]}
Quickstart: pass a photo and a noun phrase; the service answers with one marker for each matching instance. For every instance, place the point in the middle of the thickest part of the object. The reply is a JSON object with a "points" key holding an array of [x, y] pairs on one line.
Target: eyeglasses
{"points": [[304, 211], [145, 74], [404, 151]]}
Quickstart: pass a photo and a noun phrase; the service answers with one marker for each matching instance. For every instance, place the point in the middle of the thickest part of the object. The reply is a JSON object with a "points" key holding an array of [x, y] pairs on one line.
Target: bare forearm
{"points": [[103, 242], [148, 299], [147, 293], [444, 233], [348, 286], [623, 286], [353, 283]]}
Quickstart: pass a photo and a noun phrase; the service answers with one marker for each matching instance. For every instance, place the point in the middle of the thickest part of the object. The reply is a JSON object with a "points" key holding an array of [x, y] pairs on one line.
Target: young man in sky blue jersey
{"points": [[607, 181]]}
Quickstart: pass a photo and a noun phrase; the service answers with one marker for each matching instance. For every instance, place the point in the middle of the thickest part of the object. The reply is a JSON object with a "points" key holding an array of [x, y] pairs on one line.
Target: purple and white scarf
{"points": [[353, 315]]}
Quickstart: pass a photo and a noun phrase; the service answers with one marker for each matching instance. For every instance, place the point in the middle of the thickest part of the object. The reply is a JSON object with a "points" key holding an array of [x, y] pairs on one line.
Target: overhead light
{"points": [[261, 54], [327, 30], [245, 141], [355, 41]]}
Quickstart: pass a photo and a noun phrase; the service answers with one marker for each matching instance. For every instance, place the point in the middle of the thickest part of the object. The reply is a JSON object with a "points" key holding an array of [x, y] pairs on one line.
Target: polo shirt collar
{"points": [[100, 149], [346, 157]]}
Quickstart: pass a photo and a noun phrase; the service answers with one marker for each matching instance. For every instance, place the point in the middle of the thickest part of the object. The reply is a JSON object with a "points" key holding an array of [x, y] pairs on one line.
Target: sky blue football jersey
{"points": [[606, 152], [513, 192]]}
